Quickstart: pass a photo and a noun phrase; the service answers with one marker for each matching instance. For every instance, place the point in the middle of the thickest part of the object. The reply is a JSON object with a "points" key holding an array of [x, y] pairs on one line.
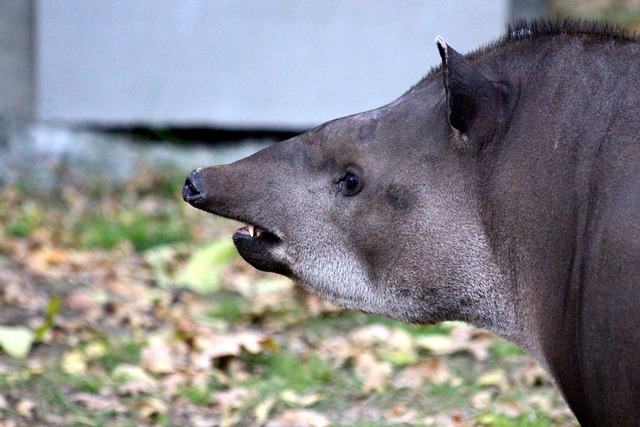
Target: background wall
{"points": [[17, 88], [243, 63]]}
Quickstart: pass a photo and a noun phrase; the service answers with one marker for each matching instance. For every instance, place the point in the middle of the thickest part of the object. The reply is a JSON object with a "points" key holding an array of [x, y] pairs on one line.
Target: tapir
{"points": [[502, 190]]}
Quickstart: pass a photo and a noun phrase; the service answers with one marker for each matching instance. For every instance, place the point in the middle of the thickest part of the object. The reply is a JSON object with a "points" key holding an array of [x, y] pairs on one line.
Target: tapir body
{"points": [[502, 190]]}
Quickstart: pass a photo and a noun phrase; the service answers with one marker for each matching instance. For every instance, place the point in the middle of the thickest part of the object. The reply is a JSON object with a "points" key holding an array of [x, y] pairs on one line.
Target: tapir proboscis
{"points": [[502, 190]]}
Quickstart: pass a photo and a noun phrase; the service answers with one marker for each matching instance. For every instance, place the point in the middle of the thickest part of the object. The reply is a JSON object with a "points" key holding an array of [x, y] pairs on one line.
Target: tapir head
{"points": [[376, 211]]}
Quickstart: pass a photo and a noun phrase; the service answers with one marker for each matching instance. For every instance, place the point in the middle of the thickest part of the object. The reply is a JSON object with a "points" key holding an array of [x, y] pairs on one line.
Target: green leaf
{"points": [[53, 307], [52, 310], [201, 271], [125, 373], [16, 341]]}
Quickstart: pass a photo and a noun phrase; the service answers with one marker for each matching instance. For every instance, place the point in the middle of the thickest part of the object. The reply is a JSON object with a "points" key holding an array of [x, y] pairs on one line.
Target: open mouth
{"points": [[250, 231], [255, 244]]}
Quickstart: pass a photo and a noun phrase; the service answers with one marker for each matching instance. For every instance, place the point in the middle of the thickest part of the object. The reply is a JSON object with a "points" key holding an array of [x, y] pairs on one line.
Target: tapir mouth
{"points": [[256, 243], [255, 233], [250, 230]]}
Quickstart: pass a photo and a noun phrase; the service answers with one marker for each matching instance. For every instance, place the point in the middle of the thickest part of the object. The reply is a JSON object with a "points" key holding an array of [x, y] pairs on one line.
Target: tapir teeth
{"points": [[254, 231]]}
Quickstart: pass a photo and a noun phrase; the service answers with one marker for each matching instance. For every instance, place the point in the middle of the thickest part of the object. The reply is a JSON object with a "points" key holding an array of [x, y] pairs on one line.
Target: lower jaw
{"points": [[257, 252]]}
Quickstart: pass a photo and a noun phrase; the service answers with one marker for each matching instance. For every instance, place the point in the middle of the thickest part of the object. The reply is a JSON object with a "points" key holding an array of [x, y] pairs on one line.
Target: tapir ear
{"points": [[473, 100]]}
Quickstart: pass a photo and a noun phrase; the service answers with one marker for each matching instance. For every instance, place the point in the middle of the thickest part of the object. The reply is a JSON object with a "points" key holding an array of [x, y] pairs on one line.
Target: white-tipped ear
{"points": [[442, 47]]}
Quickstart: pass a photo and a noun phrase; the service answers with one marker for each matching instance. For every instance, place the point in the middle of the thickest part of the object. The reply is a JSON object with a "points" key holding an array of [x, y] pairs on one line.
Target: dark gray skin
{"points": [[503, 190]]}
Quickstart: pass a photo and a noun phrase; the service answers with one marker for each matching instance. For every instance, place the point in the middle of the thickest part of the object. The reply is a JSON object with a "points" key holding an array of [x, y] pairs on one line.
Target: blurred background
{"points": [[121, 305]]}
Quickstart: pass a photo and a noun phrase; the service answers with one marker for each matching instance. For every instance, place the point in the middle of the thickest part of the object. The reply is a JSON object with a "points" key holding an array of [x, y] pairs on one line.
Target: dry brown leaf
{"points": [[510, 409], [96, 402], [135, 388], [263, 409], [74, 363], [336, 351], [292, 398], [401, 415], [375, 374], [219, 345], [25, 408], [149, 408], [172, 384], [299, 418], [231, 399], [540, 402], [532, 374], [460, 338], [482, 399], [157, 356], [370, 335], [429, 370], [494, 378], [454, 419]]}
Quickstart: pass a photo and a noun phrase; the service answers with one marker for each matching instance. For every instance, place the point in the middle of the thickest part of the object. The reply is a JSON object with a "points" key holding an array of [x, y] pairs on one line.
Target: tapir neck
{"points": [[541, 187]]}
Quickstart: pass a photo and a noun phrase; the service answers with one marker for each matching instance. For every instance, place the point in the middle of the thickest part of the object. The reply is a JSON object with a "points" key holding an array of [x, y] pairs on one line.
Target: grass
{"points": [[142, 230], [280, 371]]}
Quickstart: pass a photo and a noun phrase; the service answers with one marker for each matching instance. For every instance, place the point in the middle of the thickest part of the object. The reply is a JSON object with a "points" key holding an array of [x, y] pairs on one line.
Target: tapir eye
{"points": [[350, 184]]}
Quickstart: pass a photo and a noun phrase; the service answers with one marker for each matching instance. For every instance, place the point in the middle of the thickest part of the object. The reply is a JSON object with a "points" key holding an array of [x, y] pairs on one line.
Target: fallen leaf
{"points": [[299, 418], [430, 370], [133, 379], [510, 409], [263, 409], [494, 378], [157, 356], [532, 374], [200, 271], [149, 408], [292, 398], [219, 345], [74, 362], [460, 338], [540, 402], [232, 398], [95, 350], [25, 408], [375, 374], [481, 400], [96, 402], [16, 341]]}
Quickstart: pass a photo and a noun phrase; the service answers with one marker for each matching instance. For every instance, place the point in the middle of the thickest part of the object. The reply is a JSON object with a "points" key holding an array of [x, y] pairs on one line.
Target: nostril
{"points": [[190, 190], [192, 187]]}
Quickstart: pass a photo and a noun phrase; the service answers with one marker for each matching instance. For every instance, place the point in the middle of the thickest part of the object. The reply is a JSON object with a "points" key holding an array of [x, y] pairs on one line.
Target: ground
{"points": [[120, 305]]}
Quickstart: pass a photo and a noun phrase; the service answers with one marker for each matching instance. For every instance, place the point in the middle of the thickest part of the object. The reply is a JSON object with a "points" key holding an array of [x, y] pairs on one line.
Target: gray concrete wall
{"points": [[242, 63], [16, 59]]}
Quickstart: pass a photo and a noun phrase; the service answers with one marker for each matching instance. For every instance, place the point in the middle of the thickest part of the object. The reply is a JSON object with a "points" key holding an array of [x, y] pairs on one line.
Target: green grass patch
{"points": [[28, 217], [229, 306], [142, 230], [527, 419], [283, 371], [53, 391], [502, 348], [119, 352]]}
